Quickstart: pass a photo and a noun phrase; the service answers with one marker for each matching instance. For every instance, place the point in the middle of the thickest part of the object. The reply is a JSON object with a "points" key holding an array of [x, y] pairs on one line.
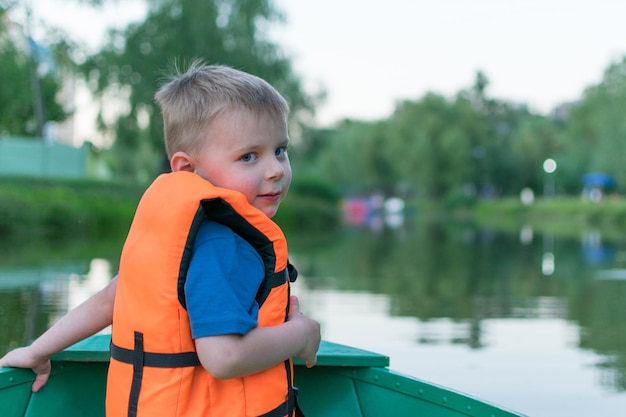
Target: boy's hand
{"points": [[312, 333], [22, 358]]}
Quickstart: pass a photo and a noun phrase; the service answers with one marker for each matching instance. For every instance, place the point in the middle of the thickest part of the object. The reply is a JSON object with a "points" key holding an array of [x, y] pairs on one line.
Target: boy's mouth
{"points": [[271, 196]]}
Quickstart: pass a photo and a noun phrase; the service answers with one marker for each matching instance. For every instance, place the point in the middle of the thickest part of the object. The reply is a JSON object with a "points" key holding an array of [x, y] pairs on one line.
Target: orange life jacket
{"points": [[154, 369]]}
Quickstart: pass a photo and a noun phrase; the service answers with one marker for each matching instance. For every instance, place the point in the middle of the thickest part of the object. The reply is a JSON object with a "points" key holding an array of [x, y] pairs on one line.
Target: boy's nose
{"points": [[275, 170]]}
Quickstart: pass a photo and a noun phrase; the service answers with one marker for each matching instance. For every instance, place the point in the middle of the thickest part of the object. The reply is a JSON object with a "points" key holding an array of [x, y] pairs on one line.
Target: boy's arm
{"points": [[88, 318], [229, 356]]}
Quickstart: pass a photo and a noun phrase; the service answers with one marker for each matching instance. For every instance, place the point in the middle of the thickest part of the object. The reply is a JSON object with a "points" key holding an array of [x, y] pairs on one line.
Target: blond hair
{"points": [[191, 101]]}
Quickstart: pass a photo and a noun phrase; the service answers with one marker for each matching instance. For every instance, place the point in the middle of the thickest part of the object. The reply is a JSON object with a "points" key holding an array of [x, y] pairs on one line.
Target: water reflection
{"points": [[500, 301], [471, 309], [40, 281]]}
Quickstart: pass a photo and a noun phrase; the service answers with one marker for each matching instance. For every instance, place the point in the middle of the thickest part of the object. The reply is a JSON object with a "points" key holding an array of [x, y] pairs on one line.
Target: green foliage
{"points": [[303, 212], [312, 204], [40, 208], [449, 150], [315, 188], [18, 95], [458, 200], [356, 157], [595, 134], [33, 209], [430, 146]]}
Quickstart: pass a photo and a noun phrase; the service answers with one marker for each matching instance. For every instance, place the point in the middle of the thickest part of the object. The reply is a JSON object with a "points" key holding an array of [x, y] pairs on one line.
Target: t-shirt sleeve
{"points": [[224, 275]]}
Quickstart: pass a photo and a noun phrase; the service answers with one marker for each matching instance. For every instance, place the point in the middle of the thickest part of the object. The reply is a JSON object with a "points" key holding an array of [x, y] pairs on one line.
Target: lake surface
{"points": [[532, 322]]}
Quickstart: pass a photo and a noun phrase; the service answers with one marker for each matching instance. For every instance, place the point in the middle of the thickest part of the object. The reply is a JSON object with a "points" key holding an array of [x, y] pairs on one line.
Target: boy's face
{"points": [[247, 152]]}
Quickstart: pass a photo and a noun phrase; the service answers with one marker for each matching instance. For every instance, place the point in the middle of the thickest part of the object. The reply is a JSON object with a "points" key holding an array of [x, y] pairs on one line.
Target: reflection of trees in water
{"points": [[33, 281], [436, 271], [454, 271], [21, 318], [599, 308]]}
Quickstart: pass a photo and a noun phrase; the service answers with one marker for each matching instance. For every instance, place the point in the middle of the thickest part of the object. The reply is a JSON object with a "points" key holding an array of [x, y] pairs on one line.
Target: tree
{"points": [[30, 82], [429, 145], [509, 143], [595, 137], [132, 64], [442, 149], [346, 158]]}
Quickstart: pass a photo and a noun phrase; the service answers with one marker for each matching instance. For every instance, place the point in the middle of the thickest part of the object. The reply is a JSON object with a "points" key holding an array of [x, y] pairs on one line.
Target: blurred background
{"points": [[458, 195]]}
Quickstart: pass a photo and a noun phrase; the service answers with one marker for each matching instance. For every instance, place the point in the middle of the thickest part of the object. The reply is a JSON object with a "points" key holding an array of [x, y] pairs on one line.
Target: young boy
{"points": [[203, 324]]}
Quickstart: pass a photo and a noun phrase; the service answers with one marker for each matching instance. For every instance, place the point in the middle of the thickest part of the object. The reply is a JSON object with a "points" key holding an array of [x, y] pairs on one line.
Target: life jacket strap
{"points": [[292, 272], [155, 360], [140, 359], [135, 386]]}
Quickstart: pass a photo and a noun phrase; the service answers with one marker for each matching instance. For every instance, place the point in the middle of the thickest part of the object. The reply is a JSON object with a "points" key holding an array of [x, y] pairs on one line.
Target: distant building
{"points": [[26, 157]]}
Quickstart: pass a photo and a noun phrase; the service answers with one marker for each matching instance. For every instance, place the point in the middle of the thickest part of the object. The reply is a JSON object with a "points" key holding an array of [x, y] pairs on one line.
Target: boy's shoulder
{"points": [[222, 240], [210, 229]]}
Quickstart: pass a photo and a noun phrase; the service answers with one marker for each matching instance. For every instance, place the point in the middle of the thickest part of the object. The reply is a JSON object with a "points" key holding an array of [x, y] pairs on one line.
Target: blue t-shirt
{"points": [[224, 276]]}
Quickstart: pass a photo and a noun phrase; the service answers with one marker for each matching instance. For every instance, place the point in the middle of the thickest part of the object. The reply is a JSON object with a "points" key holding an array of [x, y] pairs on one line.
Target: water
{"points": [[532, 322]]}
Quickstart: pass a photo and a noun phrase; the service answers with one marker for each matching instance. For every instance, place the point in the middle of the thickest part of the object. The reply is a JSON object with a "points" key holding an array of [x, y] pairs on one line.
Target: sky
{"points": [[369, 54]]}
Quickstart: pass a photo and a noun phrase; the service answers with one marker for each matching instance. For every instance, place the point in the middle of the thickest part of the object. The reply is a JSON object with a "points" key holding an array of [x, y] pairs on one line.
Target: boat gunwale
{"points": [[363, 368]]}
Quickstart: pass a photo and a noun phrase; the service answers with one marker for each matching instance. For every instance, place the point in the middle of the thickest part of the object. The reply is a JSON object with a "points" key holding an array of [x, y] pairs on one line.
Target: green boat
{"points": [[346, 382]]}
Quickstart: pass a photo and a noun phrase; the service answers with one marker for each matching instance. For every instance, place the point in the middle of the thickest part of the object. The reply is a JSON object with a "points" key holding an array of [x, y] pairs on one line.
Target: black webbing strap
{"points": [[273, 280], [291, 396], [292, 271], [135, 387], [139, 359], [156, 360]]}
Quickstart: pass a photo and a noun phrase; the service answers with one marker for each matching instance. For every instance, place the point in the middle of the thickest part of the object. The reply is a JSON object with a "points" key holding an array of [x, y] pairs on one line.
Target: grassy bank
{"points": [[40, 208], [32, 208], [37, 208], [562, 215]]}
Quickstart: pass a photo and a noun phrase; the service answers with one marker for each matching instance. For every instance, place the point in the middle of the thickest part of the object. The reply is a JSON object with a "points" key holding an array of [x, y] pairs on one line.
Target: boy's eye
{"points": [[247, 157], [281, 151]]}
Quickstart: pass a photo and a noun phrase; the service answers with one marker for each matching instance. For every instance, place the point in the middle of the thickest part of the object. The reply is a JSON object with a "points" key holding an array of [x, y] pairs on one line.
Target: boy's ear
{"points": [[180, 161]]}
